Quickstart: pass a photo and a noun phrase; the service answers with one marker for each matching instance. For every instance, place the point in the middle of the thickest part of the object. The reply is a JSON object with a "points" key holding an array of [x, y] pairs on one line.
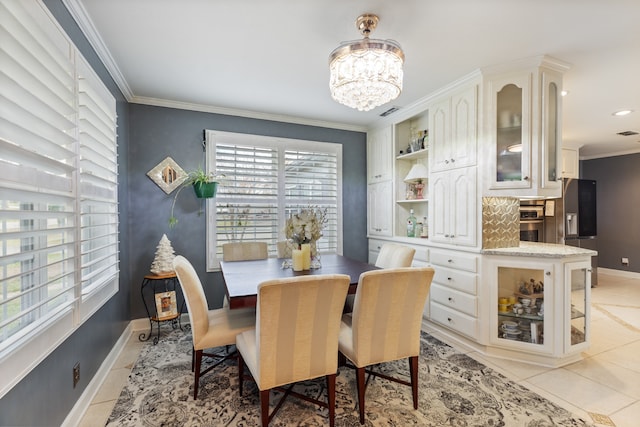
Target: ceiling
{"points": [[269, 59]]}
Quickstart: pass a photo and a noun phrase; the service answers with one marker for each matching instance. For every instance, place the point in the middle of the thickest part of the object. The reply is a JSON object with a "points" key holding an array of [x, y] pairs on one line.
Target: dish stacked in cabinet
{"points": [[454, 291]]}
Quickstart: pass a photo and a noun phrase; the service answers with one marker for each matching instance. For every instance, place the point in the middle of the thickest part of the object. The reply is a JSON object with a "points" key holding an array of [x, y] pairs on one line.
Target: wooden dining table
{"points": [[242, 278]]}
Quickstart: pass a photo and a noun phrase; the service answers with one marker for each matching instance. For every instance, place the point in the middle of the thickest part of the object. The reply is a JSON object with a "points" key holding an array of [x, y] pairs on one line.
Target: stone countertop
{"points": [[542, 250]]}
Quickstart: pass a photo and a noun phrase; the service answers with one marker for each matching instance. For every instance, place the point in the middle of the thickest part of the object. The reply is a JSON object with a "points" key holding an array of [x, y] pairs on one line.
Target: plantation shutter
{"points": [[311, 178], [37, 159], [98, 181], [247, 200]]}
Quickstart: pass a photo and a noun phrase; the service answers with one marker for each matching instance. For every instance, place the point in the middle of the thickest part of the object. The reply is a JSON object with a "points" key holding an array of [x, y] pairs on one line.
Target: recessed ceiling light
{"points": [[564, 93], [622, 112]]}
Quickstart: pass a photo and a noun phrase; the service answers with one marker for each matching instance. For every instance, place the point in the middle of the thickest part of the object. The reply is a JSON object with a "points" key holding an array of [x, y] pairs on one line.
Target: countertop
{"points": [[541, 250]]}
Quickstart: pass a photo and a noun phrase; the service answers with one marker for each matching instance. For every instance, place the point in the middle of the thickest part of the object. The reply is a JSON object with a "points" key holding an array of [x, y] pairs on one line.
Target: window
{"points": [[58, 198], [266, 180]]}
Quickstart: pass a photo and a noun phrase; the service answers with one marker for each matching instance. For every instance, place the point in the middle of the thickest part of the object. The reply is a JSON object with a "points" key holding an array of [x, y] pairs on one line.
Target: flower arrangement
{"points": [[306, 226]]}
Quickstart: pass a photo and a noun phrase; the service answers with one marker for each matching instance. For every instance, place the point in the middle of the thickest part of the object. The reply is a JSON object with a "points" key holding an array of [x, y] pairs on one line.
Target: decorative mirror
{"points": [[168, 175]]}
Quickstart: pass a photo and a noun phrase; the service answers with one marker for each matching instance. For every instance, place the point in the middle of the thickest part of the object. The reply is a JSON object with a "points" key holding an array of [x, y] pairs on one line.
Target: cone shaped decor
{"points": [[163, 262]]}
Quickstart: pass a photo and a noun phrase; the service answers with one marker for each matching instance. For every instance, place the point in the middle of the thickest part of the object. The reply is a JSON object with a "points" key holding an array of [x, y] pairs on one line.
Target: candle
{"points": [[306, 256], [298, 263]]}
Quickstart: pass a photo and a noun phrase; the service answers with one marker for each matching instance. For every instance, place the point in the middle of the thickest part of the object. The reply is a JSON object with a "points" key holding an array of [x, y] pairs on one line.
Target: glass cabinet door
{"points": [[551, 144], [521, 308], [578, 298]]}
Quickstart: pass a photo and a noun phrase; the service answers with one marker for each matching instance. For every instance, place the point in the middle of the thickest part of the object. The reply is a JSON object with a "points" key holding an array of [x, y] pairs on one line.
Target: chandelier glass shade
{"points": [[367, 73]]}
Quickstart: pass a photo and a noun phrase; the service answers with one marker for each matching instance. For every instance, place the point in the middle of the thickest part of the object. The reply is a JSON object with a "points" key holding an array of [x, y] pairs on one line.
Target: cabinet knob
{"points": [[449, 278], [548, 273], [446, 161], [450, 299], [448, 319], [526, 178], [449, 260], [453, 160]]}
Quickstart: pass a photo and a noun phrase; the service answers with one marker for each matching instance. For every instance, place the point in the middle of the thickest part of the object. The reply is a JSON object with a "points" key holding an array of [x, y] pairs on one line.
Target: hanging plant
{"points": [[205, 186]]}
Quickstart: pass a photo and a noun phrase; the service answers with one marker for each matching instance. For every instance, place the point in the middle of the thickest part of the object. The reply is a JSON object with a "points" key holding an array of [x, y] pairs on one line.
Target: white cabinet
{"points": [[538, 308], [380, 155], [454, 207], [570, 163], [523, 120], [453, 130], [453, 298], [379, 208]]}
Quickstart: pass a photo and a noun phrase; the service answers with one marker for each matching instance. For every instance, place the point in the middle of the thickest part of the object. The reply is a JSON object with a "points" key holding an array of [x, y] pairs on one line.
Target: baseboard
{"points": [[618, 273], [77, 412]]}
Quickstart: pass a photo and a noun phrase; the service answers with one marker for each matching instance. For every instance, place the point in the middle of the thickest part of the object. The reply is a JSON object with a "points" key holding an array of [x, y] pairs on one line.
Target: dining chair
{"points": [[284, 248], [243, 251], [392, 255], [209, 328], [295, 337], [385, 324]]}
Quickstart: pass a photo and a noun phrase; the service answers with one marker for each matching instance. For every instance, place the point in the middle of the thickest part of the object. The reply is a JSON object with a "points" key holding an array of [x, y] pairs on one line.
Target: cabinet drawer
{"points": [[465, 282], [467, 262], [375, 245], [453, 299], [455, 320], [422, 254]]}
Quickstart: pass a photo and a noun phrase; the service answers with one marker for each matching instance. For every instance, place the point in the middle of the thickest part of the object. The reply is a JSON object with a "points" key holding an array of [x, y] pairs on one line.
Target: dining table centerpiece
{"points": [[305, 227]]}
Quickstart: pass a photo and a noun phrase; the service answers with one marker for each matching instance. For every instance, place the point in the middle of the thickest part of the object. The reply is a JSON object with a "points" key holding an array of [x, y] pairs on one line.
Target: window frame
{"points": [[281, 145]]}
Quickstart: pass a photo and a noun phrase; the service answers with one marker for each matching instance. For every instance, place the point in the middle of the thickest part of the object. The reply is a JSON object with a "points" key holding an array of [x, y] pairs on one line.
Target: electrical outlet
{"points": [[625, 261], [76, 374]]}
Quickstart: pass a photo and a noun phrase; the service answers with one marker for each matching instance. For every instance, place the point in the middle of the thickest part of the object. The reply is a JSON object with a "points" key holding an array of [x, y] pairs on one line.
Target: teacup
{"points": [[525, 301], [516, 308]]}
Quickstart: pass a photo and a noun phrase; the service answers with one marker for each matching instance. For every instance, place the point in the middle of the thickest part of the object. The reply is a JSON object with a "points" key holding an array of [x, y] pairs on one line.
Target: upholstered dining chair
{"points": [[295, 337], [392, 255], [284, 248], [244, 251], [385, 324], [209, 328]]}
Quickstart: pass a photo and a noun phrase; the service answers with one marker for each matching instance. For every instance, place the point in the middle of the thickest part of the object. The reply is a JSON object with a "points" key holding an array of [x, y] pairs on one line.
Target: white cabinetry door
{"points": [[379, 155], [453, 131], [570, 163], [379, 208], [454, 207]]}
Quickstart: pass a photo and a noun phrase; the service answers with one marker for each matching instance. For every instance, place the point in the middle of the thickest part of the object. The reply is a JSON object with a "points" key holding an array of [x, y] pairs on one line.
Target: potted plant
{"points": [[204, 185]]}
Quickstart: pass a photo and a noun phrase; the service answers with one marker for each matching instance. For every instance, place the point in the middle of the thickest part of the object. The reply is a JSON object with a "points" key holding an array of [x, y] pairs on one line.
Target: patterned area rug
{"points": [[455, 390]]}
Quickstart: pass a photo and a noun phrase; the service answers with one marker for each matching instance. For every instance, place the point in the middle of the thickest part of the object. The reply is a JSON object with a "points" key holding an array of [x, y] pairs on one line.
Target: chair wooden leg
{"points": [[331, 397], [240, 372], [361, 388], [193, 358], [264, 407], [196, 375], [413, 369]]}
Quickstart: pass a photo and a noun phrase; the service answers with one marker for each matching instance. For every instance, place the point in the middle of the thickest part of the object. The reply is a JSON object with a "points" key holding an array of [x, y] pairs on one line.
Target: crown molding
{"points": [[80, 15], [244, 113]]}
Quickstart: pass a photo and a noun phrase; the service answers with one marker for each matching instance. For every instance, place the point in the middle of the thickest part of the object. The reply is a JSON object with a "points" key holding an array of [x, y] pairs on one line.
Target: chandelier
{"points": [[366, 73]]}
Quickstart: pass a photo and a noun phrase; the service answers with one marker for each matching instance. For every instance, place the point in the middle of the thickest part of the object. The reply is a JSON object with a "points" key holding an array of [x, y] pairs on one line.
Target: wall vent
{"points": [[389, 111], [628, 133]]}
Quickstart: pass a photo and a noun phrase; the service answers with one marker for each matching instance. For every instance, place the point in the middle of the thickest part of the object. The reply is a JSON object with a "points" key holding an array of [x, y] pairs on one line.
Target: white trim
{"points": [[619, 273], [74, 417], [244, 113], [80, 15]]}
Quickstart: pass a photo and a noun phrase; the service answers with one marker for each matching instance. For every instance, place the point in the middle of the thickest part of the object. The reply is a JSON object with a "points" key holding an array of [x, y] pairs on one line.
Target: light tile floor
{"points": [[606, 383]]}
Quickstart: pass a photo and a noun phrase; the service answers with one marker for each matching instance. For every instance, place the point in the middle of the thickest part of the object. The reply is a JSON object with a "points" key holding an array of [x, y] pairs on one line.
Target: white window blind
{"points": [[58, 189], [266, 180]]}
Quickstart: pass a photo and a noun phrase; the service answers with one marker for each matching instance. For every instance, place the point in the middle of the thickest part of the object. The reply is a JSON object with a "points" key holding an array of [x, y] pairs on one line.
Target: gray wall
{"points": [[46, 395], [158, 132], [618, 209]]}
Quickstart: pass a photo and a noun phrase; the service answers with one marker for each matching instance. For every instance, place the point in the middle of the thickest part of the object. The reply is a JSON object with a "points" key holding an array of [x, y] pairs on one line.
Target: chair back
{"points": [[393, 255], [297, 326], [244, 251], [284, 248], [194, 296], [387, 314]]}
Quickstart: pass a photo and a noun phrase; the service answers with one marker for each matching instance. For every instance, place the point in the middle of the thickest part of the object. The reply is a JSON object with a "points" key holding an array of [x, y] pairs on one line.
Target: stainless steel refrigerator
{"points": [[572, 220]]}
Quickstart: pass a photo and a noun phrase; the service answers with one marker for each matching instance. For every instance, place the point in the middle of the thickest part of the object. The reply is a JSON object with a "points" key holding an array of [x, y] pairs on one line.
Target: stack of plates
{"points": [[510, 330]]}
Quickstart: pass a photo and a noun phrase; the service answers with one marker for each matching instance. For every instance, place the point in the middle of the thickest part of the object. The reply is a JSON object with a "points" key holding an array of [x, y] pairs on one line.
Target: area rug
{"points": [[455, 390]]}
